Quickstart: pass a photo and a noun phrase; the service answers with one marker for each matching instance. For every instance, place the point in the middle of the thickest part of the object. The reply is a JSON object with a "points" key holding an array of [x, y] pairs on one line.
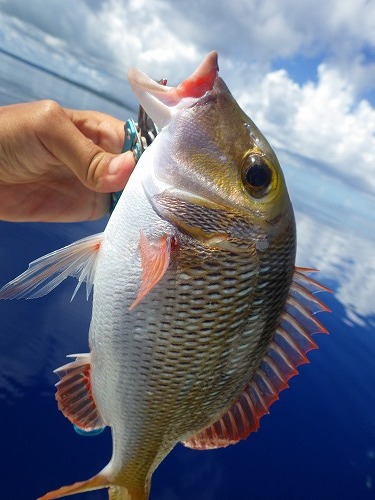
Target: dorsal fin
{"points": [[47, 272], [74, 395], [288, 349]]}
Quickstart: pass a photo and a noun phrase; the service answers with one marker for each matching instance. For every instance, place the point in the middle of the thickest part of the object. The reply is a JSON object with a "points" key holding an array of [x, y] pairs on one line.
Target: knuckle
{"points": [[46, 113], [97, 168], [49, 107]]}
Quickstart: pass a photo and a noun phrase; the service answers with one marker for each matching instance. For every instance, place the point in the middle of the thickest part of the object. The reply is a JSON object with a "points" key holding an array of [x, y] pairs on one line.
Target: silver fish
{"points": [[199, 314]]}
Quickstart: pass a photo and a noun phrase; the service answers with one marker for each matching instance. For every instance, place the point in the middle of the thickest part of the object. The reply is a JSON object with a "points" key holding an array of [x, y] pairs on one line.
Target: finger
{"points": [[104, 130], [108, 173], [97, 169]]}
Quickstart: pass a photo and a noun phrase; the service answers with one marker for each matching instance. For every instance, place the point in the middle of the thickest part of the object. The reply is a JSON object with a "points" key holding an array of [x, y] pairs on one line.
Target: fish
{"points": [[200, 315]]}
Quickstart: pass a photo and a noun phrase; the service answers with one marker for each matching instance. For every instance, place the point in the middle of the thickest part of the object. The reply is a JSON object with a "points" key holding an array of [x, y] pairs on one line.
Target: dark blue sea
{"points": [[318, 441]]}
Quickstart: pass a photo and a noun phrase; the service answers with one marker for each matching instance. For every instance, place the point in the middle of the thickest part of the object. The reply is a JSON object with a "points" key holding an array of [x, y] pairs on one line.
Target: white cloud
{"points": [[324, 119], [321, 120], [138, 33], [328, 250], [129, 30]]}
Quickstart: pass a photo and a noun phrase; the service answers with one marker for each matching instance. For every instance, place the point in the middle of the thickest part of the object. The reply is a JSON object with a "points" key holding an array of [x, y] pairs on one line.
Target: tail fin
{"points": [[116, 492], [95, 483]]}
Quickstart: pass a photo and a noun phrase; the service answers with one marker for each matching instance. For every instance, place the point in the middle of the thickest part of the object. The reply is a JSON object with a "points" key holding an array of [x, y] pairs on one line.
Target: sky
{"points": [[304, 71]]}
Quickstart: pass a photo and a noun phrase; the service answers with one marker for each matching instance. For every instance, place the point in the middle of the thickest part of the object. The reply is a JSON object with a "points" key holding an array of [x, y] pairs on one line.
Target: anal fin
{"points": [[292, 340], [74, 395]]}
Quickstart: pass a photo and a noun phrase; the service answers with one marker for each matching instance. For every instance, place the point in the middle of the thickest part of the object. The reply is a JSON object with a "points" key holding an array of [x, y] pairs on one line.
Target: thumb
{"points": [[96, 168], [105, 172]]}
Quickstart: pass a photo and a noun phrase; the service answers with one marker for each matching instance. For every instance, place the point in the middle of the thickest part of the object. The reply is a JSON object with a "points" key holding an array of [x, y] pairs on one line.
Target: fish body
{"points": [[192, 288]]}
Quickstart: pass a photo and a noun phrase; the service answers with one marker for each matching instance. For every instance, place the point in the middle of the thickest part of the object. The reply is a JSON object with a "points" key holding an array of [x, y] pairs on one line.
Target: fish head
{"points": [[214, 174]]}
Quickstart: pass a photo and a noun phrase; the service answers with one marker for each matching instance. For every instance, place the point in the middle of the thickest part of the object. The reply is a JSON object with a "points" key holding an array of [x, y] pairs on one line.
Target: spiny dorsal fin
{"points": [[291, 342], [47, 272], [74, 395]]}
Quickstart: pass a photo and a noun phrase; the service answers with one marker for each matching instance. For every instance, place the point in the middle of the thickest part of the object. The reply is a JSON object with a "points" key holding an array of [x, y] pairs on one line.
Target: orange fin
{"points": [[291, 342], [47, 272], [74, 395], [95, 483], [155, 258], [115, 492]]}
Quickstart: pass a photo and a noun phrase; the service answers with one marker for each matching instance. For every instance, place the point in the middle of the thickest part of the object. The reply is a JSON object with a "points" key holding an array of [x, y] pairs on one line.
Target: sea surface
{"points": [[318, 441]]}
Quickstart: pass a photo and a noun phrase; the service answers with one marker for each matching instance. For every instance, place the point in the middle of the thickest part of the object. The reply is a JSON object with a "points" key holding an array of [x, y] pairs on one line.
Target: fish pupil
{"points": [[257, 175]]}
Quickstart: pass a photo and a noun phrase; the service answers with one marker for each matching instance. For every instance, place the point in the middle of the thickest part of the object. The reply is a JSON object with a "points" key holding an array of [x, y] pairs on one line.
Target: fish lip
{"points": [[161, 102]]}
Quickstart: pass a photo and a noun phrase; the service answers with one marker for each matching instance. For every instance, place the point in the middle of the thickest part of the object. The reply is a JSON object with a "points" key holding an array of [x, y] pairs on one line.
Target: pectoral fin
{"points": [[292, 340], [47, 272], [155, 258]]}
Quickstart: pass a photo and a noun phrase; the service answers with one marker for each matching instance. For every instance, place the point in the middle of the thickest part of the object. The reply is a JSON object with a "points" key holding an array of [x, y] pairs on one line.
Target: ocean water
{"points": [[318, 441]]}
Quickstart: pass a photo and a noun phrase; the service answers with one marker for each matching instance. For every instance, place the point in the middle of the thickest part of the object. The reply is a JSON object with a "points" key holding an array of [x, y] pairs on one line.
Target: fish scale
{"points": [[165, 357], [208, 341]]}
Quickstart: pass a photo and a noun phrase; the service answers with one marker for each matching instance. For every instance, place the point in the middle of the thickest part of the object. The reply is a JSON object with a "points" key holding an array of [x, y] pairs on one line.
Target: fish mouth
{"points": [[161, 102]]}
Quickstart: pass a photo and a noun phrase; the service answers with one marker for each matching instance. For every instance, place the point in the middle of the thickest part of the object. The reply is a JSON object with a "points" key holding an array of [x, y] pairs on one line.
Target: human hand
{"points": [[59, 164]]}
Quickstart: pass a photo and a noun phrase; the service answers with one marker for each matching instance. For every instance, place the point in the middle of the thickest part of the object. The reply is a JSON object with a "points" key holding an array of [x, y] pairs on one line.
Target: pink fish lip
{"points": [[196, 85], [161, 101], [203, 78]]}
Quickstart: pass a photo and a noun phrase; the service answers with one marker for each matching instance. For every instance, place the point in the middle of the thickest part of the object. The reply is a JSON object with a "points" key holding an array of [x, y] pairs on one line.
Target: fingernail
{"points": [[115, 165]]}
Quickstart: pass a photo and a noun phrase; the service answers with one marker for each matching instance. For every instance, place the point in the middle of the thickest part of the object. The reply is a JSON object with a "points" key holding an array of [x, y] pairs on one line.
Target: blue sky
{"points": [[301, 69], [304, 71]]}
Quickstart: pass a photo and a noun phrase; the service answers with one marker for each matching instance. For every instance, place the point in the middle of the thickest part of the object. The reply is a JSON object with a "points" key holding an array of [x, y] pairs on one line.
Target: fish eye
{"points": [[257, 175]]}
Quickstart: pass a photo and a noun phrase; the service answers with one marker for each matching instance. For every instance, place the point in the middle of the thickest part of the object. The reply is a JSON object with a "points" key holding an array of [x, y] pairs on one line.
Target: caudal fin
{"points": [[116, 492], [95, 483]]}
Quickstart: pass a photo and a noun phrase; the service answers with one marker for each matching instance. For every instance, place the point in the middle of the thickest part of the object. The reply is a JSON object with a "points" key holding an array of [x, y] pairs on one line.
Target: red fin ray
{"points": [[304, 316], [292, 341], [307, 298], [287, 344], [74, 395], [301, 276], [293, 328]]}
